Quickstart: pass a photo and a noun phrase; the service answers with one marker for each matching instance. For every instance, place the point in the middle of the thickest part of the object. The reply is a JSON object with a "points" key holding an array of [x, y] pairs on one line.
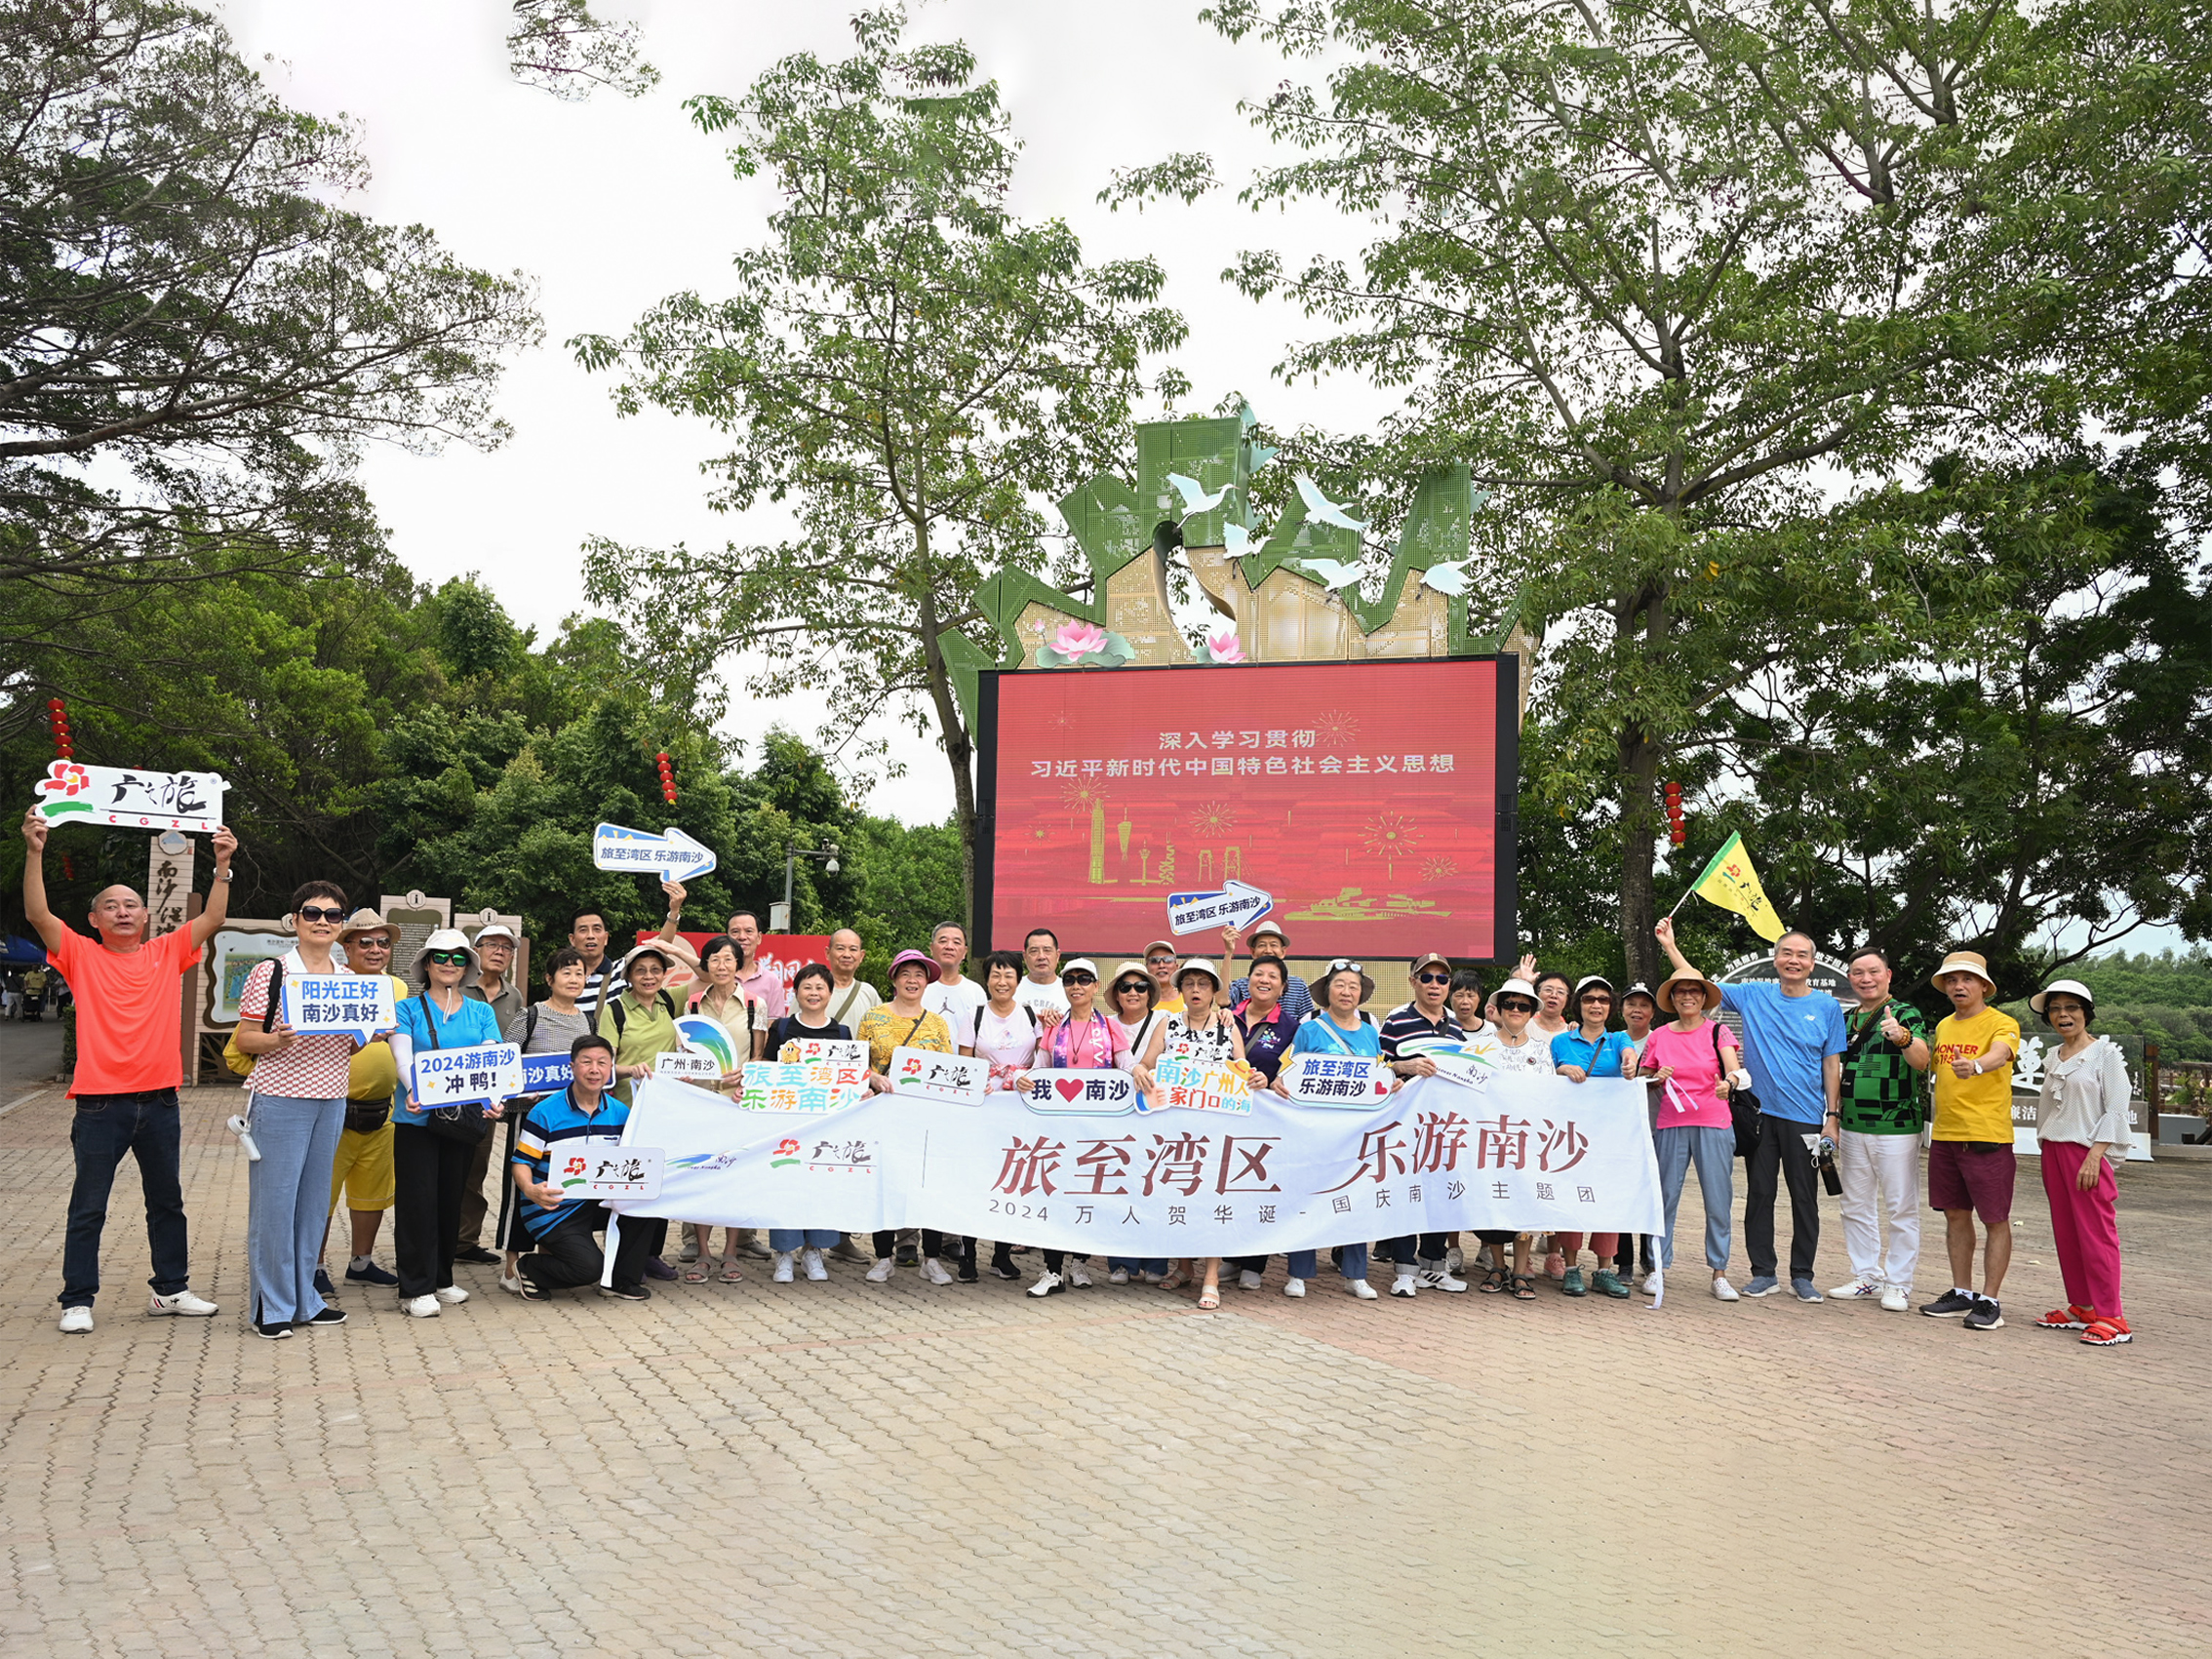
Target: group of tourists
{"points": [[1811, 1089]]}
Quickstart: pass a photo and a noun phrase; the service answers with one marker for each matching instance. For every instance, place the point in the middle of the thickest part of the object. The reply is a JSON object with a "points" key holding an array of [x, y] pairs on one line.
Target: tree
{"points": [[1645, 265], [905, 363], [563, 48], [195, 340]]}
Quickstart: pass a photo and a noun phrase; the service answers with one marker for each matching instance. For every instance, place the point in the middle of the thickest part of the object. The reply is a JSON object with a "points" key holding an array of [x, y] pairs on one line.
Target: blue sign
{"points": [[542, 1073]]}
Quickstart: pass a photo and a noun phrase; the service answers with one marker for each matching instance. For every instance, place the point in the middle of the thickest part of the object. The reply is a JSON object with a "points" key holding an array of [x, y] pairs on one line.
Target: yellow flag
{"points": [[1731, 883]]}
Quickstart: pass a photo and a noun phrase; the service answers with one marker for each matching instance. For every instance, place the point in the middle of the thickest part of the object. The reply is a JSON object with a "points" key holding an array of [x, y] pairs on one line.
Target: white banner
{"points": [[125, 798], [1527, 1153], [1093, 1093], [1338, 1080]]}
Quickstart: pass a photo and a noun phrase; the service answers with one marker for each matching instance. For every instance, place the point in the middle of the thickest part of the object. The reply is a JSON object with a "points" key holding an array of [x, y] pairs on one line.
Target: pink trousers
{"points": [[1606, 1244], [2085, 1226]]}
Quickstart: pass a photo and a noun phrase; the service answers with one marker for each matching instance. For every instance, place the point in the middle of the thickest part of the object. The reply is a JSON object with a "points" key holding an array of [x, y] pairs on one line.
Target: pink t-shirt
{"points": [[1687, 1100]]}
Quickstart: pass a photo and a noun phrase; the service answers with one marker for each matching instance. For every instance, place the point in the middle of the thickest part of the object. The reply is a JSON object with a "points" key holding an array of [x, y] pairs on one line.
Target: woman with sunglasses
{"points": [[1135, 1013], [722, 1000], [1511, 1048], [1202, 1031], [1004, 1034], [1583, 1050], [1339, 1028], [295, 1104], [1264, 1022], [1692, 1059], [888, 1027], [1084, 1040], [430, 1167]]}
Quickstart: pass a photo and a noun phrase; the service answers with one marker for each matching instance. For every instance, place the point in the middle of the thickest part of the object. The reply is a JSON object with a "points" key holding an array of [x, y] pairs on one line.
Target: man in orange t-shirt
{"points": [[129, 1064]]}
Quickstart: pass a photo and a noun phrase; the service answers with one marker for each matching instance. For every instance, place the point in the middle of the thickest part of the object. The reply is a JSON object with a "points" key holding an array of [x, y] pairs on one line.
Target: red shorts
{"points": [[1972, 1174]]}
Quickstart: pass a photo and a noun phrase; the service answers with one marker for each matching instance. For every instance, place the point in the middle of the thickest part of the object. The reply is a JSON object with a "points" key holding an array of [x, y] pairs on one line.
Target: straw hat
{"points": [[1665, 995], [1264, 930], [1137, 970], [1964, 961], [1195, 965], [367, 921]]}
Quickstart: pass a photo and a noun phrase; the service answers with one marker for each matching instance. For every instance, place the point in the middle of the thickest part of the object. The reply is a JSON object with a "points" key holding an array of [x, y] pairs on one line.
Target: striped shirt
{"points": [[317, 1066], [1406, 1031], [552, 1127]]}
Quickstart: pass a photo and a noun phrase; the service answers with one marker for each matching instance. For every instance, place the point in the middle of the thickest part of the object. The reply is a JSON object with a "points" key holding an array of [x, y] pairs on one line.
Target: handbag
{"points": [[235, 1057], [466, 1123], [1743, 1107]]}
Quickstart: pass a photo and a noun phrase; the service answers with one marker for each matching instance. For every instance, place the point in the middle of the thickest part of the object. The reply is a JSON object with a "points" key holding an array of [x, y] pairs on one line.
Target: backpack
{"points": [[622, 1018], [235, 1057], [975, 1032]]}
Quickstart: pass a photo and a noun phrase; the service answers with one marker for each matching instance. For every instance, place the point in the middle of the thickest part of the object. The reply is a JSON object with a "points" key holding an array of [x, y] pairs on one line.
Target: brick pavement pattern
{"points": [[846, 1470]]}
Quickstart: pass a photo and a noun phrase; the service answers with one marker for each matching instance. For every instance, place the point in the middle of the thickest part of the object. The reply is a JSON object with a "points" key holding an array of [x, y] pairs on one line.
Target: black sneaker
{"points": [[274, 1332], [967, 1274], [323, 1285], [909, 1256], [1950, 1304], [1002, 1267], [627, 1292], [329, 1316], [1987, 1315], [370, 1275], [477, 1255]]}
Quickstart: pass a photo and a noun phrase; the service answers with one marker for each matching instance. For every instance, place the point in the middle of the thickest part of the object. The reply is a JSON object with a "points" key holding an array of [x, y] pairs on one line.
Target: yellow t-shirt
{"points": [[1974, 1108], [373, 1074]]}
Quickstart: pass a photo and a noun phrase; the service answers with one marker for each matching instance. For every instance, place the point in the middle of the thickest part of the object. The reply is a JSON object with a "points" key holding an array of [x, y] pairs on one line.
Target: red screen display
{"points": [[1361, 797]]}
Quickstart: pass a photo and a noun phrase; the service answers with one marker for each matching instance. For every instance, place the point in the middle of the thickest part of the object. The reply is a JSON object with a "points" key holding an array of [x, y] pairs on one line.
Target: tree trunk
{"points": [[959, 750], [1639, 775]]}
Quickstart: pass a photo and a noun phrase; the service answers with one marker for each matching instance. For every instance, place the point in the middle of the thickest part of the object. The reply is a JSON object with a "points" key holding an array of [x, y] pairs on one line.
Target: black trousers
{"points": [[933, 1243], [1425, 1247], [429, 1173], [570, 1255], [1780, 1156]]}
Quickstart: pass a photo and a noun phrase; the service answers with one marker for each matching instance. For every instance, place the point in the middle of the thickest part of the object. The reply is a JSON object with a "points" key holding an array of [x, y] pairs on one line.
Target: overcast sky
{"points": [[610, 204]]}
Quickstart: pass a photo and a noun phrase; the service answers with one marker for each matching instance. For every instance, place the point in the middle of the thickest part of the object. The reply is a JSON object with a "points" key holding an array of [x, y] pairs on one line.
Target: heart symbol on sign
{"points": [[1068, 1088]]}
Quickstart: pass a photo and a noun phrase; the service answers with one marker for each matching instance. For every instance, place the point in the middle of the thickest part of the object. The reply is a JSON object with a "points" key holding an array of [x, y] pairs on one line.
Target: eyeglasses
{"points": [[449, 959], [316, 913], [1433, 978], [1159, 961]]}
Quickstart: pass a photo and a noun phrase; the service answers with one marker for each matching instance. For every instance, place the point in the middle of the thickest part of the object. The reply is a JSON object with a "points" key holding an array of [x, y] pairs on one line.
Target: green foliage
{"points": [[913, 883], [562, 47]]}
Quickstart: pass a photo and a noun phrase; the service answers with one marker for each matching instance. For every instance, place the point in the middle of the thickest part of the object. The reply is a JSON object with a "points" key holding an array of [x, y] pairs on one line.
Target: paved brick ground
{"points": [[844, 1469]]}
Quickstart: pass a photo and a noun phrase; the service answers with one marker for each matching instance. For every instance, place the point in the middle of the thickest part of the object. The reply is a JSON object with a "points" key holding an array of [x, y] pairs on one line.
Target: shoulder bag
{"points": [[466, 1123]]}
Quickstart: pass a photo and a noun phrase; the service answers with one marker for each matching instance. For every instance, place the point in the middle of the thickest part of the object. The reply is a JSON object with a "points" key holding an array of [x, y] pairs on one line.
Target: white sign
{"points": [[606, 1169], [1094, 1093], [806, 1085], [1336, 1080], [1235, 905], [842, 1052], [1464, 1066], [939, 1077], [125, 798], [489, 1074], [1201, 1085], [688, 1065], [358, 1005], [672, 855]]}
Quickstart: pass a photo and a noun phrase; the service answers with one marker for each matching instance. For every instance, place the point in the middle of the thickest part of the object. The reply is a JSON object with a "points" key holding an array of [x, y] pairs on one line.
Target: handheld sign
{"points": [[939, 1077], [1093, 1093], [844, 1052], [673, 856], [700, 1035], [1235, 905], [488, 1073], [608, 1170], [688, 1065], [1206, 1085], [358, 1005], [1331, 1080], [544, 1074], [1471, 1064], [125, 798], [812, 1086]]}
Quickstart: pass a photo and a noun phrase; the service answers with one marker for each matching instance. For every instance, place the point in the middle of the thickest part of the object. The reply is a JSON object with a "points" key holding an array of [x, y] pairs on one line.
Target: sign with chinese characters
{"points": [[606, 1169], [844, 1052], [938, 1077], [1204, 1086], [544, 1074], [688, 1065], [169, 882], [1336, 1080], [1531, 1153], [1091, 1093], [1235, 905], [805, 1085], [358, 1005], [125, 798], [489, 1073], [1471, 1064], [673, 855]]}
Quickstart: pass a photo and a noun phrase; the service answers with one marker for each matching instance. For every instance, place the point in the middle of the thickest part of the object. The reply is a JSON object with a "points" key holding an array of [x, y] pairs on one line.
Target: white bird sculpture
{"points": [[1320, 506], [1195, 499], [1236, 538], [1332, 573], [1450, 578]]}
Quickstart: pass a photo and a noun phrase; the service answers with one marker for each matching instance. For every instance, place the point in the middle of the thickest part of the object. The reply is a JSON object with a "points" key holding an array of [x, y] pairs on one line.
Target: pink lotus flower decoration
{"points": [[1224, 648], [1078, 639]]}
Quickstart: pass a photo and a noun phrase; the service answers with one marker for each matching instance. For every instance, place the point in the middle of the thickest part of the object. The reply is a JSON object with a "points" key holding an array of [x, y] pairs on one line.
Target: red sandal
{"points": [[2108, 1333], [2071, 1317]]}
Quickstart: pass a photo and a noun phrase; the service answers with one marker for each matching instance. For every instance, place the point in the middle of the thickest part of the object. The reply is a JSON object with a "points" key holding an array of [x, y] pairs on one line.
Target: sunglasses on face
{"points": [[374, 942], [316, 913], [1434, 978], [1079, 979], [1132, 988], [1514, 1005], [449, 959]]}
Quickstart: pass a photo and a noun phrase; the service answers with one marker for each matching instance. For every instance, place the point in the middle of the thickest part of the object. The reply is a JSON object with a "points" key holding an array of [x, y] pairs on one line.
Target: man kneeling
{"points": [[561, 1228]]}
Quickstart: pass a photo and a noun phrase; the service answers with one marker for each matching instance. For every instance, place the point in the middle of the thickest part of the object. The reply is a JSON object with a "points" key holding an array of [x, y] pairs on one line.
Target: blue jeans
{"points": [[1305, 1264], [288, 1200], [785, 1240], [106, 1126], [1714, 1151], [1138, 1264]]}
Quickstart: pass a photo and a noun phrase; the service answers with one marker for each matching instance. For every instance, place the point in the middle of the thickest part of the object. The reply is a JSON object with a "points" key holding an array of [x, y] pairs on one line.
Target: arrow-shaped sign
{"points": [[1236, 905], [673, 856]]}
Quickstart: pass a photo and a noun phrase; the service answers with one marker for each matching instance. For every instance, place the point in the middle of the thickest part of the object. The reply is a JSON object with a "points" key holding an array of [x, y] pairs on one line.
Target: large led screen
{"points": [[1371, 800]]}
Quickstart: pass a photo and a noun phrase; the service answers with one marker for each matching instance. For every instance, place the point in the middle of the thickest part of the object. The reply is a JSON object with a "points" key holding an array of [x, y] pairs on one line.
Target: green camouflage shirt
{"points": [[1882, 1095]]}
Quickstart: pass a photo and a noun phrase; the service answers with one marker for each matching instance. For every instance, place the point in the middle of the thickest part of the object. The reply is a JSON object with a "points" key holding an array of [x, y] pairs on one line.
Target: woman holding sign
{"points": [[1204, 1032], [807, 1021], [1692, 1060], [888, 1027], [431, 1147], [295, 1104], [1339, 1028], [721, 999], [1084, 1040]]}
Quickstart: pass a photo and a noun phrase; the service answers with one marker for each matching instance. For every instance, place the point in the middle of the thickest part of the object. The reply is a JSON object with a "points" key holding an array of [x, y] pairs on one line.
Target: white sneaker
{"points": [[1120, 1276], [1401, 1283], [1077, 1277], [817, 1270], [1651, 1284], [1048, 1284], [1247, 1280], [1896, 1299], [1856, 1291], [511, 1283], [1724, 1291], [1453, 1261], [1293, 1286], [1438, 1277], [421, 1308], [1359, 1289], [880, 1271], [184, 1302], [1154, 1277], [451, 1295], [76, 1321], [935, 1271], [782, 1273]]}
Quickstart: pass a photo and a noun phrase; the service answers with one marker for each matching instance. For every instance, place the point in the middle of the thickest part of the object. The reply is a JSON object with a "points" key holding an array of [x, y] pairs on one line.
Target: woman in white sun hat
{"points": [[1201, 1030], [430, 1148], [2082, 1129]]}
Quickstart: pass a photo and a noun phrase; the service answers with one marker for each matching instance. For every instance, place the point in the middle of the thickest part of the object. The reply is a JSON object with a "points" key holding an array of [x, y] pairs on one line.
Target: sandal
{"points": [[1493, 1282], [1523, 1287], [1208, 1300], [697, 1273], [1177, 1278], [729, 1273]]}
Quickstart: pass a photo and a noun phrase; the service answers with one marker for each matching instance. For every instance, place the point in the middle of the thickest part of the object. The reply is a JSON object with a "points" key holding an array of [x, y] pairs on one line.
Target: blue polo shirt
{"points": [[430, 1027], [554, 1125], [1321, 1035], [1785, 1040], [1601, 1058]]}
